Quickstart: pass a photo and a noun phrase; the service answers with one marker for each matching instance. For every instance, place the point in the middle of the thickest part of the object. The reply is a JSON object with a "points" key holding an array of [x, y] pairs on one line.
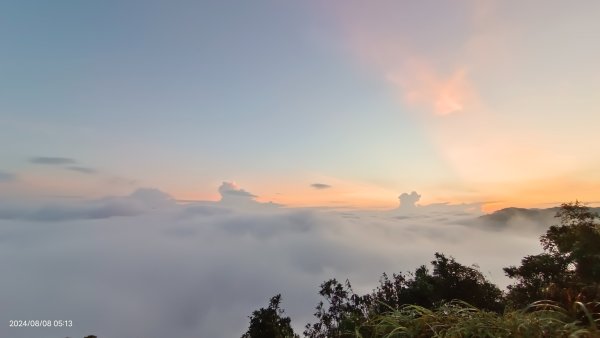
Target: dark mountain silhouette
{"points": [[521, 219]]}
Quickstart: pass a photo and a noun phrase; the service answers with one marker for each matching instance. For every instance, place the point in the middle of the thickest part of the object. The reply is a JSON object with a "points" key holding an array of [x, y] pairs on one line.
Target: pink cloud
{"points": [[438, 84], [422, 86]]}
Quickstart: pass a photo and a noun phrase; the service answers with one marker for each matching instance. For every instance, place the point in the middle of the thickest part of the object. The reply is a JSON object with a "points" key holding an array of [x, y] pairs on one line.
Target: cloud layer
{"points": [[144, 265], [320, 186], [52, 160], [83, 170]]}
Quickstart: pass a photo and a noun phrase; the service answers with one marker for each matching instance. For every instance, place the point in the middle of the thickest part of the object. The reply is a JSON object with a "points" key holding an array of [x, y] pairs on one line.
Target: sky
{"points": [[168, 166], [463, 101]]}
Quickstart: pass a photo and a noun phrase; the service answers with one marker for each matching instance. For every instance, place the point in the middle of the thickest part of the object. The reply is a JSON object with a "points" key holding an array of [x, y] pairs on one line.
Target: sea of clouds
{"points": [[145, 265]]}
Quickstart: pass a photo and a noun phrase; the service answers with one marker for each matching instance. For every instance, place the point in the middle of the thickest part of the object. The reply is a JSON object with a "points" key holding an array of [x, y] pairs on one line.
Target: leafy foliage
{"points": [[269, 322], [450, 280], [344, 312], [556, 294], [569, 268], [459, 319]]}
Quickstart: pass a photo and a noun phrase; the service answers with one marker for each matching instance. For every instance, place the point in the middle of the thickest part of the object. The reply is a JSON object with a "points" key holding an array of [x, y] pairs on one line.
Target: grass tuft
{"points": [[459, 319]]}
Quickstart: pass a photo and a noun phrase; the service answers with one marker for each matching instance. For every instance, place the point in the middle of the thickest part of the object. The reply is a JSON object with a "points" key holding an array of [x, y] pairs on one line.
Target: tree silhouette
{"points": [[345, 311], [269, 322], [569, 268]]}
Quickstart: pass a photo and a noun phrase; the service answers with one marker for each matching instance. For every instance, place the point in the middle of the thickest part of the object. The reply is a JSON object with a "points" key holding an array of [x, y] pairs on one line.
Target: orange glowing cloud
{"points": [[423, 86], [419, 78], [415, 79]]}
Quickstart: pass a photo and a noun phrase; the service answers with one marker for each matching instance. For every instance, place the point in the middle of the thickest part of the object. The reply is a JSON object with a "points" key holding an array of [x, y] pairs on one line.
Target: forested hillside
{"points": [[554, 294]]}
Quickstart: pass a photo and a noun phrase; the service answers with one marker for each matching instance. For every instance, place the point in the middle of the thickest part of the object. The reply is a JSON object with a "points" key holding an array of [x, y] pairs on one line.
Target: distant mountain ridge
{"points": [[521, 219]]}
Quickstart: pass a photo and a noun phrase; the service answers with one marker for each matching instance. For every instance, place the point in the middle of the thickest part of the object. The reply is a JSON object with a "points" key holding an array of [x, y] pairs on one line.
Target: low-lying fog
{"points": [[146, 266]]}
